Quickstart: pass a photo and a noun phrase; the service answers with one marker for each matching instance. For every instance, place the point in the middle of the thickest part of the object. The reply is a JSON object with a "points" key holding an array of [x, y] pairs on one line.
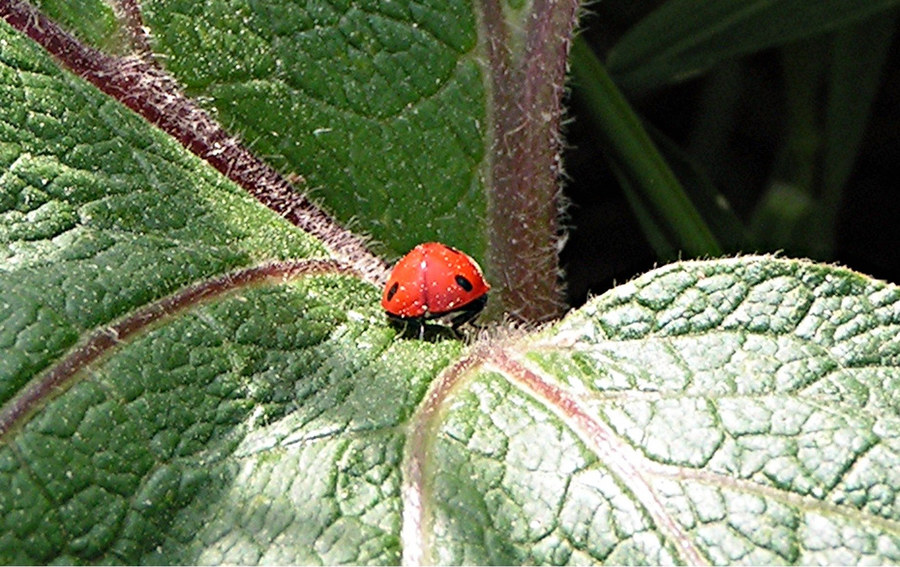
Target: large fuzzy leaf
{"points": [[385, 103], [735, 411]]}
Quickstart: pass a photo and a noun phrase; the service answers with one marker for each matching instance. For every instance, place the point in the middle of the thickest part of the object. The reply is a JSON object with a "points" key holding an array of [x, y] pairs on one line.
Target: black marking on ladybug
{"points": [[464, 283], [392, 291]]}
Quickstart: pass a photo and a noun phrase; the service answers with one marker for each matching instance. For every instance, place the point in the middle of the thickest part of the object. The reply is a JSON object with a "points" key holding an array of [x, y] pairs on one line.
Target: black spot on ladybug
{"points": [[392, 291], [464, 283]]}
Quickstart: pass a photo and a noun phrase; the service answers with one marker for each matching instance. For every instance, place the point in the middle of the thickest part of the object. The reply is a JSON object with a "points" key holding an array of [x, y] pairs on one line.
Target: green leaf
{"points": [[93, 20], [732, 411], [138, 357], [262, 428], [685, 37], [102, 213], [410, 121], [379, 106]]}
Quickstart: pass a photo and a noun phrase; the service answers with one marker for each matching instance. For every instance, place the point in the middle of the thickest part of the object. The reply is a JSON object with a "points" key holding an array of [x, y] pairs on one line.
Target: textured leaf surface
{"points": [[93, 20], [738, 411], [178, 442], [382, 104], [101, 213], [405, 119], [257, 429]]}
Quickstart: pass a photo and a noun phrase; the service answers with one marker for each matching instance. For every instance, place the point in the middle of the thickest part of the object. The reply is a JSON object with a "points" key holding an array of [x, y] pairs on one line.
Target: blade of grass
{"points": [[654, 233], [628, 144], [685, 37], [804, 66], [713, 206]]}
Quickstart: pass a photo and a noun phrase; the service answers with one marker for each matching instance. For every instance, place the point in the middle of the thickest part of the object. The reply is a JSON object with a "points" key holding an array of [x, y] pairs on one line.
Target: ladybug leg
{"points": [[408, 327], [468, 312]]}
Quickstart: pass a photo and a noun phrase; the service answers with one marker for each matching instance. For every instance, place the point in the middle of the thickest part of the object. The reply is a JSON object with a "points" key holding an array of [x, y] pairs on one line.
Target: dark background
{"points": [[605, 243]]}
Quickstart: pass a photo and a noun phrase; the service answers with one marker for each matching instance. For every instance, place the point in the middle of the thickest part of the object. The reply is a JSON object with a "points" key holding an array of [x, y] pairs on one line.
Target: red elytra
{"points": [[434, 280]]}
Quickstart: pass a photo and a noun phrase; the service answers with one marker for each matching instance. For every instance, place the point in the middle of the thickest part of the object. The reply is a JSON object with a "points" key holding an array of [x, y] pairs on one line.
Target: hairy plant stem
{"points": [[526, 107]]}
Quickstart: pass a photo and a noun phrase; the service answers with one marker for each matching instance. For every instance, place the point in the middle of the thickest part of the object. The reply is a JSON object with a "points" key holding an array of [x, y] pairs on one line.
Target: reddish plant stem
{"points": [[148, 91], [526, 107]]}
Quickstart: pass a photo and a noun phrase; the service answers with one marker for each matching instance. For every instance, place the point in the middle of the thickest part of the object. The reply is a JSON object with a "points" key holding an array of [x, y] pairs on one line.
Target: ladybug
{"points": [[435, 281]]}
